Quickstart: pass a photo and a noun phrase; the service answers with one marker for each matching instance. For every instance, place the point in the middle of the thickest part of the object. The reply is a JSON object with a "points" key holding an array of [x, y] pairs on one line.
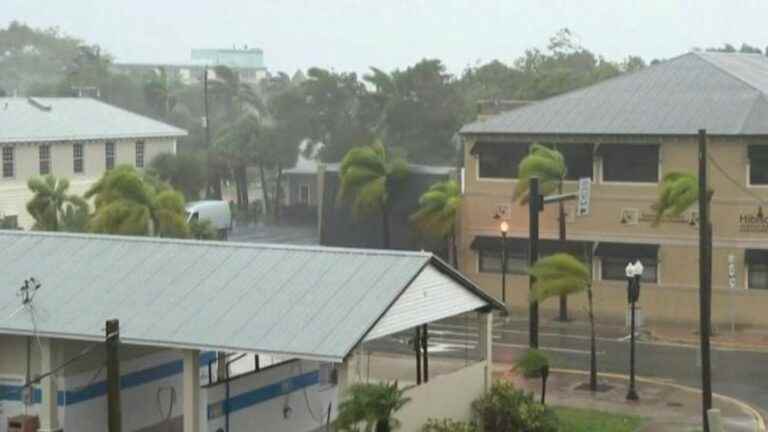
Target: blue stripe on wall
{"points": [[98, 389], [257, 396]]}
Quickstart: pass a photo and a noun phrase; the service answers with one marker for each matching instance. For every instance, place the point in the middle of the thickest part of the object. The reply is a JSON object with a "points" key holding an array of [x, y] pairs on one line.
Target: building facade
{"points": [[72, 138], [626, 134]]}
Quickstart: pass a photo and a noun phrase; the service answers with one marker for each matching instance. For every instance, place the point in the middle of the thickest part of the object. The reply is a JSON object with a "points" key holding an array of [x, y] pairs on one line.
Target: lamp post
{"points": [[634, 272], [504, 228]]}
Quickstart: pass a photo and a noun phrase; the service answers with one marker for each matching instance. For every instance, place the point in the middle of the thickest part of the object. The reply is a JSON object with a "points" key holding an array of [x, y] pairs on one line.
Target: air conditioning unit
{"points": [[630, 216]]}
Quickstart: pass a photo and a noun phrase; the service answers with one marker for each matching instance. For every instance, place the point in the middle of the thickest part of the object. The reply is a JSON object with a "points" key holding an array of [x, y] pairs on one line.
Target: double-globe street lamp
{"points": [[504, 227], [634, 272]]}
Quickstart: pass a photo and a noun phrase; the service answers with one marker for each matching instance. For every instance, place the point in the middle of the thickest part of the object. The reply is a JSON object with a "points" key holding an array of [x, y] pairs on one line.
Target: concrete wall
{"points": [[675, 296], [445, 396], [14, 193]]}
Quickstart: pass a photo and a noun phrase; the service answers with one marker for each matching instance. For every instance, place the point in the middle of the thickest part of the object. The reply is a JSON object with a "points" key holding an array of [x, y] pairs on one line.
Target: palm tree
{"points": [[235, 94], [53, 208], [562, 274], [678, 191], [371, 179], [549, 166], [436, 217], [372, 404], [128, 204], [238, 145]]}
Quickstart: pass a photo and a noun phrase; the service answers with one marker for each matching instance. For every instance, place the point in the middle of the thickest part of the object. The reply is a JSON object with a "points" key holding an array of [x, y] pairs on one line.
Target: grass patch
{"points": [[581, 420]]}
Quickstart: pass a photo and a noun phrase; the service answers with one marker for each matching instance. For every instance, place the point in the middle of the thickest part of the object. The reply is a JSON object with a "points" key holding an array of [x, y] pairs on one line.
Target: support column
{"points": [[191, 391], [486, 346], [49, 407]]}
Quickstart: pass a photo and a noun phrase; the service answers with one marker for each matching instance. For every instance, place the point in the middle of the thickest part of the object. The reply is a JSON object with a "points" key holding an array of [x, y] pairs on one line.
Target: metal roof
{"points": [[725, 93], [308, 302], [437, 170], [65, 119]]}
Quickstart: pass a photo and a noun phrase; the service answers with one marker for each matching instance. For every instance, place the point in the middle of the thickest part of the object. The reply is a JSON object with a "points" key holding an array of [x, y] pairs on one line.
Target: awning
{"points": [[629, 251], [756, 256], [546, 246]]}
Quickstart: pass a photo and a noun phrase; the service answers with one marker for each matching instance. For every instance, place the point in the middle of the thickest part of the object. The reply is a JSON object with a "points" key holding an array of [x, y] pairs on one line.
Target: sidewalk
{"points": [[669, 407]]}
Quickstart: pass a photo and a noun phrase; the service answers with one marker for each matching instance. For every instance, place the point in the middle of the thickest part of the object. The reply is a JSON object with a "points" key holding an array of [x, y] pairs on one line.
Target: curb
{"points": [[715, 344], [746, 407]]}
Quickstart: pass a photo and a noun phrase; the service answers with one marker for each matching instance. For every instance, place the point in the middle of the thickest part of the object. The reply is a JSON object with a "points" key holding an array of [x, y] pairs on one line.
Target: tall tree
{"points": [[233, 92], [158, 93], [185, 172], [562, 274], [238, 145], [437, 213], [549, 166], [53, 207], [128, 204], [371, 179]]}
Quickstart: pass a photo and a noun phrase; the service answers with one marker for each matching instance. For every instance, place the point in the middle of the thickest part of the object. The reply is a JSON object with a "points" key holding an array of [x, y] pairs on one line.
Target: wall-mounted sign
{"points": [[585, 189], [753, 223]]}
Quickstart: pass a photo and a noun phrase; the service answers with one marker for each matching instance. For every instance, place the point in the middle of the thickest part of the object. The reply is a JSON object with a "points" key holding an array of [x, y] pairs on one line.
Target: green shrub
{"points": [[448, 425], [532, 363], [507, 409]]}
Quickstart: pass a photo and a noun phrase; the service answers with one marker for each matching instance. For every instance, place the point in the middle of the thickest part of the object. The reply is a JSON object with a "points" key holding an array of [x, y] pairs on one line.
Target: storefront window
{"points": [[490, 262]]}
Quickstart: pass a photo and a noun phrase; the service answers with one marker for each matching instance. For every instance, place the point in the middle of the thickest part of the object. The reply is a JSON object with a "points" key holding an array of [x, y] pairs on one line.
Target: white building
{"points": [[74, 138]]}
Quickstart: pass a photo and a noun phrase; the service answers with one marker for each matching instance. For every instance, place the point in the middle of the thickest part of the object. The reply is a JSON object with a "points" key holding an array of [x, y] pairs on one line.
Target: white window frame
{"points": [[746, 282], [41, 160], [748, 181], [12, 150], [81, 158], [107, 155], [659, 174], [309, 193], [140, 144]]}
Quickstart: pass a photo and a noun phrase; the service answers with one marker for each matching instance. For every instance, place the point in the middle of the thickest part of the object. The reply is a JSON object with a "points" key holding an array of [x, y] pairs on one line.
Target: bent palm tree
{"points": [[549, 166], [236, 94], [52, 207], [562, 275], [678, 191], [371, 179], [436, 217]]}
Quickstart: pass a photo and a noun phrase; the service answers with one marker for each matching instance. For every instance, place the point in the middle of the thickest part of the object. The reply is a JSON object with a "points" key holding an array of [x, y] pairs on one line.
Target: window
{"points": [[44, 156], [757, 276], [8, 162], [303, 194], [758, 164], [499, 160], [578, 160], [490, 261], [77, 158], [630, 163], [109, 155], [139, 154], [614, 268]]}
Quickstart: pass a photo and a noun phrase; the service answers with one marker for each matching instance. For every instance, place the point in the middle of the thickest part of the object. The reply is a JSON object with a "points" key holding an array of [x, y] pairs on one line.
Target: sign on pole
{"points": [[585, 186]]}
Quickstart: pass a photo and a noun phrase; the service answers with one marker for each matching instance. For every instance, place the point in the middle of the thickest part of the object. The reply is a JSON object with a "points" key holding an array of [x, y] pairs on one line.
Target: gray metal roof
{"points": [[725, 93], [335, 167], [309, 302], [74, 119]]}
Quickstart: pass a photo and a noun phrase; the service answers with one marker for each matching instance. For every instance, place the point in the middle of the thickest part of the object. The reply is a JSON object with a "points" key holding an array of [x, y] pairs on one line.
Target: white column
{"points": [[49, 407], [191, 391], [486, 346]]}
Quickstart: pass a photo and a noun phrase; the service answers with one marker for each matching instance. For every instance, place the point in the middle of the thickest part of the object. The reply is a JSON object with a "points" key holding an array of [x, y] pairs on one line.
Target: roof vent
{"points": [[37, 104]]}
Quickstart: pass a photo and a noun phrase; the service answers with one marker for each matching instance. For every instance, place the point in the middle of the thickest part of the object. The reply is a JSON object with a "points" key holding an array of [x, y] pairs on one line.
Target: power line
{"points": [[736, 182]]}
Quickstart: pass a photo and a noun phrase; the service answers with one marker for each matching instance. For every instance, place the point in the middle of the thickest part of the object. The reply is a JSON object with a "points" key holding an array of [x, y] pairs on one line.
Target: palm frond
{"points": [[678, 191], [543, 162], [559, 274]]}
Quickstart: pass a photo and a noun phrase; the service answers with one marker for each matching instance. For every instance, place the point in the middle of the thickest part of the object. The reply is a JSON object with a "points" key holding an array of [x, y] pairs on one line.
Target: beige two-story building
{"points": [[625, 134], [73, 138]]}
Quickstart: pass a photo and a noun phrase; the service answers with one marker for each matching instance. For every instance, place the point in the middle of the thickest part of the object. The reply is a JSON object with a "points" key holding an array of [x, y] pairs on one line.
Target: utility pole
{"points": [[114, 415], [417, 349], [534, 206], [563, 315], [705, 280], [425, 351]]}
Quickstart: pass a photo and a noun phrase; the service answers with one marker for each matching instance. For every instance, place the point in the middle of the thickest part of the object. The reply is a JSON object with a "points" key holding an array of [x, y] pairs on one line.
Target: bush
{"points": [[532, 363], [448, 425], [507, 409]]}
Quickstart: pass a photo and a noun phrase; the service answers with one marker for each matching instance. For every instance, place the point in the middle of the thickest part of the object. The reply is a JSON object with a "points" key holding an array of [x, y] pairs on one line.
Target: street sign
{"points": [[585, 186]]}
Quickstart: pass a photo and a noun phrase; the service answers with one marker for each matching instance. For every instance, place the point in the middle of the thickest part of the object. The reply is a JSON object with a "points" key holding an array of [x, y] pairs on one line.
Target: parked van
{"points": [[217, 212]]}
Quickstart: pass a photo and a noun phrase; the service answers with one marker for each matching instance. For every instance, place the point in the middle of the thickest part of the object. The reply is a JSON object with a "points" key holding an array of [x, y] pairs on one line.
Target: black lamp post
{"points": [[504, 228], [634, 273]]}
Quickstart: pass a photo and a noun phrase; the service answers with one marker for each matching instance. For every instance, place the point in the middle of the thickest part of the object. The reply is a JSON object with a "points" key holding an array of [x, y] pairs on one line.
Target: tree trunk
{"points": [[592, 344], [278, 194], [243, 180], [383, 426], [264, 190], [454, 252], [385, 228]]}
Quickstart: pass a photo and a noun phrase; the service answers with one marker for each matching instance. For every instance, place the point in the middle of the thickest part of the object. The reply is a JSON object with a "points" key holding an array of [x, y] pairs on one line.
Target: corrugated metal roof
{"points": [[308, 302], [725, 93], [74, 119]]}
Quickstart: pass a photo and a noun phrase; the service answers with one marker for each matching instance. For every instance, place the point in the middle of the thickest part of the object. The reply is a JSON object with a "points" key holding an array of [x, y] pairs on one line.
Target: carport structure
{"points": [[310, 303]]}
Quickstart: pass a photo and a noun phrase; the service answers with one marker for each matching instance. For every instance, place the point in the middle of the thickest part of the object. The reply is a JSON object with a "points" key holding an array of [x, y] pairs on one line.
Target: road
{"points": [[741, 374]]}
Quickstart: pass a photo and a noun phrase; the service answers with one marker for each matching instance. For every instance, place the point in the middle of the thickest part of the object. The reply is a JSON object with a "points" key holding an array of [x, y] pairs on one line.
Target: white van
{"points": [[217, 212]]}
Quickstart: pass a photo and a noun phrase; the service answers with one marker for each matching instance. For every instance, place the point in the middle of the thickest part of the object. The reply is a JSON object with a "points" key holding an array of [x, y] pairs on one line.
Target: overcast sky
{"points": [[352, 35]]}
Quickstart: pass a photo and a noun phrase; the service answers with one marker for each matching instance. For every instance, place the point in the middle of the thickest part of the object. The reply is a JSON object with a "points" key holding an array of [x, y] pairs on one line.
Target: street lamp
{"points": [[634, 272], [504, 228]]}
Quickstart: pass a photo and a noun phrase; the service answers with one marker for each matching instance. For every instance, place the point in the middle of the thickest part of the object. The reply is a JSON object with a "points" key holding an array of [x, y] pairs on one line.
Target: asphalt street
{"points": [[742, 374]]}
